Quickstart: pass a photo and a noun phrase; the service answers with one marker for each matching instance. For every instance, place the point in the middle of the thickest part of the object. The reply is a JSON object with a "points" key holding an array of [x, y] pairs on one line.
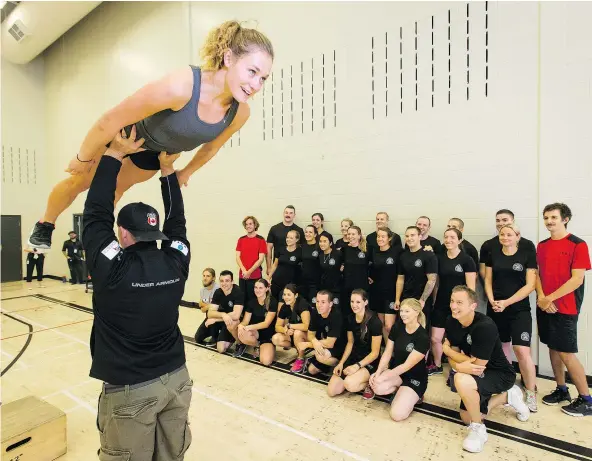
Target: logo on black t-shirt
{"points": [[390, 261], [331, 262], [518, 267], [230, 304], [409, 347], [292, 258], [335, 300], [361, 255], [418, 263], [392, 306], [315, 253], [458, 268], [326, 328], [313, 300], [469, 340]]}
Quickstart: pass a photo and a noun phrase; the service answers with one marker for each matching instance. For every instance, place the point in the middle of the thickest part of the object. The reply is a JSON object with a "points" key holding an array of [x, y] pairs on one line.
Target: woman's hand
{"points": [[338, 369], [183, 177]]}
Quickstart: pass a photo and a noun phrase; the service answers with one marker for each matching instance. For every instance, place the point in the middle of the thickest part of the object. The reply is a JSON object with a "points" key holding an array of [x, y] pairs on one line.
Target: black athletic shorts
{"points": [[225, 335], [558, 331], [418, 385], [492, 382], [371, 367], [382, 303], [439, 316], [266, 334], [321, 366], [514, 325], [145, 160]]}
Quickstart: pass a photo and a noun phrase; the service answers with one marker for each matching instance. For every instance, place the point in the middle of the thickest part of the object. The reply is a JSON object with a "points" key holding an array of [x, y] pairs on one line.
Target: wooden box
{"points": [[32, 430]]}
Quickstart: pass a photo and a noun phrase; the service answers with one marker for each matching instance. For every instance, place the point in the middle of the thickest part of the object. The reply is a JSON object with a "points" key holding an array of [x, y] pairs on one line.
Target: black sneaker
{"points": [[556, 397], [435, 370], [41, 235], [579, 407], [240, 350]]}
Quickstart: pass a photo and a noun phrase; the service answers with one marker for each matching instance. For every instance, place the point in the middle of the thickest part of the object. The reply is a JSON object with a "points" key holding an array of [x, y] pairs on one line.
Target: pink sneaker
{"points": [[368, 393], [297, 366]]}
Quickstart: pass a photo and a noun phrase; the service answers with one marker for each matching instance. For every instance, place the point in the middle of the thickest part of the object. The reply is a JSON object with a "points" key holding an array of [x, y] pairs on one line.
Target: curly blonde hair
{"points": [[232, 36]]}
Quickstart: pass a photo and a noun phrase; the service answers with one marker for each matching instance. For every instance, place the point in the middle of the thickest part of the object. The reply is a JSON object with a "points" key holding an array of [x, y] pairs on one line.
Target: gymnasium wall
{"points": [[414, 108], [24, 163]]}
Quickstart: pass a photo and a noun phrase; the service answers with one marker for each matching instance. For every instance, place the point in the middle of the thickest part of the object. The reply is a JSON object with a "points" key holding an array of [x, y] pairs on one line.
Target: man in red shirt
{"points": [[250, 254], [563, 260]]}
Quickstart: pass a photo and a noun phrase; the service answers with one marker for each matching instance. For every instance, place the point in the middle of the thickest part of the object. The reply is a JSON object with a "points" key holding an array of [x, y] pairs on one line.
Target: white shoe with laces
{"points": [[531, 401], [476, 438], [516, 400]]}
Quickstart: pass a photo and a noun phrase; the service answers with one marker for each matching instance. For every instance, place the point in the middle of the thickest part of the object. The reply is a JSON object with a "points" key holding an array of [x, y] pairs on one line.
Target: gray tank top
{"points": [[182, 130]]}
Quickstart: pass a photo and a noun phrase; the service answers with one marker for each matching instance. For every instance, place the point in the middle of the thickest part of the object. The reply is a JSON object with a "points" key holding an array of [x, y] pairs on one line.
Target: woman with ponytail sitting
{"points": [[257, 327], [402, 368], [360, 358], [292, 324]]}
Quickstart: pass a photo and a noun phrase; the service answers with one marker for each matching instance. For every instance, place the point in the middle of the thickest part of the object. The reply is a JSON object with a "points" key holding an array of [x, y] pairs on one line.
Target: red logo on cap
{"points": [[152, 220]]}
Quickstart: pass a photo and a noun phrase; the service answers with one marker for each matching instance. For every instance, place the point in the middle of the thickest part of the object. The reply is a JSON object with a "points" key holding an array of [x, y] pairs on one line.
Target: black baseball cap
{"points": [[142, 221]]}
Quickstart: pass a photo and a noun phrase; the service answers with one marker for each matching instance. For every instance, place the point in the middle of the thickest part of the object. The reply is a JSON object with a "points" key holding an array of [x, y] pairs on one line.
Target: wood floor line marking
{"points": [[47, 329]]}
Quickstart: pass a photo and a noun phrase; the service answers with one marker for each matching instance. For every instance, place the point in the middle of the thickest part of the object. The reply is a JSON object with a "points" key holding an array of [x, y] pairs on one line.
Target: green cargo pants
{"points": [[146, 421]]}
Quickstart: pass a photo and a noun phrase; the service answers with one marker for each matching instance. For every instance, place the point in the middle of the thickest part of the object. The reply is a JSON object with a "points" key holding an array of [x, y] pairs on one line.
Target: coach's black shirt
{"points": [[480, 340], [136, 290], [277, 235]]}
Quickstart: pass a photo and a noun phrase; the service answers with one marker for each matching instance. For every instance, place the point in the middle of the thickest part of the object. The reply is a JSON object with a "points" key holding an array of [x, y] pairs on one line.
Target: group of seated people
{"points": [[368, 312]]}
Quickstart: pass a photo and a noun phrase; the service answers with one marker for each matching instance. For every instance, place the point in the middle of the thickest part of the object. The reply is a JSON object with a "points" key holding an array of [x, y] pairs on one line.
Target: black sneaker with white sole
{"points": [[240, 350], [556, 397], [579, 407], [41, 235]]}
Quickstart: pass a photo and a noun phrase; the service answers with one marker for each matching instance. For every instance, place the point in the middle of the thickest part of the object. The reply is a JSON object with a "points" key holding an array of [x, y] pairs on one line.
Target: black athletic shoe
{"points": [[556, 397], [579, 407], [41, 235], [240, 350]]}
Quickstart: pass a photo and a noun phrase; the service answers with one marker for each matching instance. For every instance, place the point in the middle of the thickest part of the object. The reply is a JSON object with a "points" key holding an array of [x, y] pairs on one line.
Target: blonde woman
{"points": [[402, 367], [346, 223], [510, 277], [190, 107]]}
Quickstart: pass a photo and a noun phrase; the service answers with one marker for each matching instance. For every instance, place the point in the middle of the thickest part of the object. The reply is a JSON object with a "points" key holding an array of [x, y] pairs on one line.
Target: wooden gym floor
{"points": [[243, 411]]}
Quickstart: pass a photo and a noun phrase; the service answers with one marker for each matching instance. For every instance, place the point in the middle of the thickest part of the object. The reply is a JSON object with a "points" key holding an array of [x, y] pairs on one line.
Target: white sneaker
{"points": [[475, 440], [516, 400], [531, 401]]}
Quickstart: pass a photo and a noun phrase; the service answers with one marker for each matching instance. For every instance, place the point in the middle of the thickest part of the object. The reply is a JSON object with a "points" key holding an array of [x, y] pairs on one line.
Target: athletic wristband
{"points": [[83, 161]]}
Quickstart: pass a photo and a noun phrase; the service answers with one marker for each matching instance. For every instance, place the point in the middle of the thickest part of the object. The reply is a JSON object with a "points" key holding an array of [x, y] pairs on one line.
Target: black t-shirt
{"points": [[384, 270], [227, 302], [329, 327], [340, 244], [294, 316], [363, 345], [258, 311], [277, 235], [331, 271], [355, 271], [415, 267], [509, 273], [406, 343], [489, 245], [373, 244], [289, 265], [311, 269], [73, 249], [469, 249], [480, 340], [437, 247], [451, 272]]}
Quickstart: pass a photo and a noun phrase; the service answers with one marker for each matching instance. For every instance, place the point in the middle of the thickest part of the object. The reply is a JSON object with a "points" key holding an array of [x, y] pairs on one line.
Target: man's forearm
{"points": [[429, 287], [571, 285]]}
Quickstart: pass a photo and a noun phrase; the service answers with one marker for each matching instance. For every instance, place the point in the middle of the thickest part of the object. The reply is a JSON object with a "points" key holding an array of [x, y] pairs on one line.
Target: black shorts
{"points": [[382, 303], [371, 367], [439, 316], [418, 385], [326, 368], [145, 160], [266, 334], [558, 331], [492, 382], [514, 325], [225, 336]]}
